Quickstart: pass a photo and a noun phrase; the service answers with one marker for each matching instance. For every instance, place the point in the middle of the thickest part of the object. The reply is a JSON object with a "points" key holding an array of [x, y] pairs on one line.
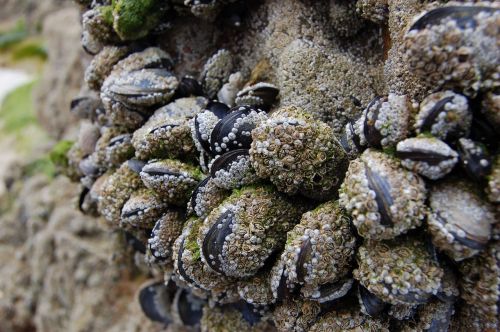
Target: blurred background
{"points": [[55, 268]]}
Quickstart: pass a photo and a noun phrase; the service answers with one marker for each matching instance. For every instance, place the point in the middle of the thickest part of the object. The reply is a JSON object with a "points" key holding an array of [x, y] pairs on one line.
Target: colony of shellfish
{"points": [[257, 206]]}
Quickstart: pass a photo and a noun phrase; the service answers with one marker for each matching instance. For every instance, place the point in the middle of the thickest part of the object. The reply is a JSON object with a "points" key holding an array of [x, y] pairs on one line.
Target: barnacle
{"points": [[298, 154]]}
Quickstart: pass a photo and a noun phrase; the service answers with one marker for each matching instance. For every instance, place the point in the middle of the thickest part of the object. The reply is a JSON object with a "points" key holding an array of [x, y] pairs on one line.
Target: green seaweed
{"points": [[58, 154], [135, 19], [17, 109]]}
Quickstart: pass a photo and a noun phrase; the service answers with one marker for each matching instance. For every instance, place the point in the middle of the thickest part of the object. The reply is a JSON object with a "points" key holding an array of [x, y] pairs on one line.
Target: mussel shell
{"points": [[136, 165], [188, 307], [225, 161], [475, 243], [372, 135], [423, 155], [180, 265], [266, 92], [462, 15], [225, 126], [383, 198], [372, 305], [248, 311], [220, 110], [303, 257], [136, 84], [188, 86], [196, 190], [214, 241], [135, 243], [475, 159], [332, 291], [155, 300], [483, 131], [120, 139]]}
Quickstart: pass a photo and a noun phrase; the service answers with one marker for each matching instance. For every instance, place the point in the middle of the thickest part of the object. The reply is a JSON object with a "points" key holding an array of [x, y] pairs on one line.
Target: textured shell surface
{"points": [[384, 199], [399, 271]]}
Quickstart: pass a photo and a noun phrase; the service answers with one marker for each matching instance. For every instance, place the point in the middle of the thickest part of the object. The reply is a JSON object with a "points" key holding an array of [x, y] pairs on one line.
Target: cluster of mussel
{"points": [[261, 219]]}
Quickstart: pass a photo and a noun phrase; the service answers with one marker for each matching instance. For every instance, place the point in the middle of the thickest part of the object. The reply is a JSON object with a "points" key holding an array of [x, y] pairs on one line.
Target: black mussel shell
{"points": [[120, 139], [372, 135], [440, 323], [304, 256], [225, 126], [135, 243], [188, 86], [158, 170], [474, 158], [84, 196], [161, 63], [433, 115], [344, 141], [89, 167], [264, 91], [214, 241], [197, 189], [136, 165], [383, 197], [141, 86], [163, 126], [335, 290], [85, 107], [248, 311], [483, 131], [422, 155], [155, 300], [473, 243], [180, 265], [462, 15], [372, 304], [189, 307], [220, 110], [225, 161]]}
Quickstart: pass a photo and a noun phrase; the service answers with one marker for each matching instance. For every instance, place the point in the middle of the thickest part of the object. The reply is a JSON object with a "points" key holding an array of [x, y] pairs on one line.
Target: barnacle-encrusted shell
{"points": [[257, 289], [216, 72], [116, 191], [480, 284], [190, 269], [459, 219], [102, 65], [204, 122], [320, 249], [385, 121], [296, 315], [142, 210], [207, 196], [171, 179], [261, 94], [232, 318], [474, 158], [233, 170], [434, 316], [164, 233], [238, 236], [455, 46], [444, 114], [384, 199], [234, 130], [167, 132], [112, 148], [298, 154], [399, 271], [350, 319], [139, 88], [151, 57], [427, 156]]}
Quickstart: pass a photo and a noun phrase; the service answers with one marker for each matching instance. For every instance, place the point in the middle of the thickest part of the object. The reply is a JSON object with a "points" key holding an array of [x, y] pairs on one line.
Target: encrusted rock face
{"points": [[301, 164]]}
